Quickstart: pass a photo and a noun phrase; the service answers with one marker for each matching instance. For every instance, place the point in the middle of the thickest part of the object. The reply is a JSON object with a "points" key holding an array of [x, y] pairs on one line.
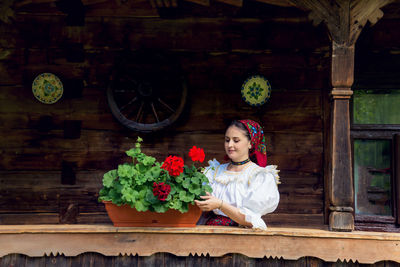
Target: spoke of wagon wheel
{"points": [[165, 105], [128, 104], [124, 91], [139, 112], [154, 112]]}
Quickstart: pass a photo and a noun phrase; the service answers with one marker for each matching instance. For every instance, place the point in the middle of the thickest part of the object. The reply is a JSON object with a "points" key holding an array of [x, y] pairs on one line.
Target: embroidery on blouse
{"points": [[215, 172], [229, 176], [270, 169]]}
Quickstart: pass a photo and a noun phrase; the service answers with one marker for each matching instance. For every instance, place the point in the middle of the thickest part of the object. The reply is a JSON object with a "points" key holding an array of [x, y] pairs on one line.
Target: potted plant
{"points": [[145, 192]]}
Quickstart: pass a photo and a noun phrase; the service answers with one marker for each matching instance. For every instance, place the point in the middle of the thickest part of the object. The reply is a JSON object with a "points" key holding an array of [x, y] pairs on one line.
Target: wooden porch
{"points": [[52, 157], [202, 242]]}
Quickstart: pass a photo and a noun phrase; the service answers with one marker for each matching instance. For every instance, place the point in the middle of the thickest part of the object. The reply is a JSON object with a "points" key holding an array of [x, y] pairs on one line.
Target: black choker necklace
{"points": [[240, 162]]}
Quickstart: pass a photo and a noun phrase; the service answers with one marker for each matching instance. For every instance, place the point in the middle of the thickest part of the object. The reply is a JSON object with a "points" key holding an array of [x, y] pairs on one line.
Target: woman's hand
{"points": [[209, 203]]}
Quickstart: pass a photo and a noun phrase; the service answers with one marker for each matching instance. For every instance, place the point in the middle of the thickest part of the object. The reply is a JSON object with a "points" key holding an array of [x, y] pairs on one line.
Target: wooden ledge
{"points": [[288, 243]]}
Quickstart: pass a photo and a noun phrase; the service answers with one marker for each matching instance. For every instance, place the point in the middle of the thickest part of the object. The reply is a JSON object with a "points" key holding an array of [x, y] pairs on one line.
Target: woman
{"points": [[243, 191]]}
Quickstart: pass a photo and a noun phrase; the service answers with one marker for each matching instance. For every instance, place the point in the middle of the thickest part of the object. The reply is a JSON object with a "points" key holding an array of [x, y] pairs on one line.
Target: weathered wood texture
{"points": [[50, 173], [210, 241], [377, 67], [166, 259]]}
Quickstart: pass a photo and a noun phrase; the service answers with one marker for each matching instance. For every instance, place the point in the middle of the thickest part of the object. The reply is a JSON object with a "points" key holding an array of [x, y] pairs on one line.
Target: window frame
{"points": [[389, 132]]}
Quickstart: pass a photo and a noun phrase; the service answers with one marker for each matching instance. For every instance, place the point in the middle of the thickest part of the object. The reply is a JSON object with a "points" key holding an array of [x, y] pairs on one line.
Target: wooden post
{"points": [[344, 20], [341, 191]]}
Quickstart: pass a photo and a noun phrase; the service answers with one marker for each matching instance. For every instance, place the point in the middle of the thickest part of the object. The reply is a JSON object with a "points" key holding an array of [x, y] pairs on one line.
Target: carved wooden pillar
{"points": [[344, 20], [341, 191]]}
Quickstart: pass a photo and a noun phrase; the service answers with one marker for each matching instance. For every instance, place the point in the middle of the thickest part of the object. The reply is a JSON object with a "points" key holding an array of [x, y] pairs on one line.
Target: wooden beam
{"points": [[288, 243], [200, 2], [344, 18], [238, 3], [283, 3]]}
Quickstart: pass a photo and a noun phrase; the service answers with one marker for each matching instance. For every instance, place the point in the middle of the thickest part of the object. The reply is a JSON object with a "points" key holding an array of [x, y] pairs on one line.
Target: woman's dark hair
{"points": [[241, 126]]}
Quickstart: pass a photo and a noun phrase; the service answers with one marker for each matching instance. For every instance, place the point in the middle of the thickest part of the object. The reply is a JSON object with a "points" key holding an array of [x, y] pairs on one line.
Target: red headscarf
{"points": [[258, 147]]}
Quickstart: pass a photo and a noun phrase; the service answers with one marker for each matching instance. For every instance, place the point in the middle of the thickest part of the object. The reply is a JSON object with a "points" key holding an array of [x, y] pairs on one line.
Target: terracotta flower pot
{"points": [[126, 216]]}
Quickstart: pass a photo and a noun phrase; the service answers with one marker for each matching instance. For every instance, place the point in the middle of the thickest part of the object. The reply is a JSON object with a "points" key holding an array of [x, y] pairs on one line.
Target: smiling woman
{"points": [[246, 188]]}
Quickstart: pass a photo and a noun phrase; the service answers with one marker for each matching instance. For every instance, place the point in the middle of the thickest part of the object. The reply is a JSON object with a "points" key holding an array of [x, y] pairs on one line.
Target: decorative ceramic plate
{"points": [[47, 88], [256, 90]]}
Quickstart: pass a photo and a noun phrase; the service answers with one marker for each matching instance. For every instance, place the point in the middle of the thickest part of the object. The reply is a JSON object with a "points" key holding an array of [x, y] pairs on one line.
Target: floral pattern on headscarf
{"points": [[258, 147]]}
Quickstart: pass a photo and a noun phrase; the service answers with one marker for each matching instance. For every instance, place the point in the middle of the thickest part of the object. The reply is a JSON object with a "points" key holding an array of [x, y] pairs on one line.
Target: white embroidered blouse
{"points": [[253, 190]]}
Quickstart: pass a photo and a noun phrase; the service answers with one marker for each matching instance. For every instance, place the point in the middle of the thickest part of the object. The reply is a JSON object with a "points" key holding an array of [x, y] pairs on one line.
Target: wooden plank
{"points": [[136, 8], [224, 261], [294, 219], [13, 260], [106, 157], [58, 260], [396, 174], [90, 259], [125, 261], [202, 34], [318, 243], [237, 3], [197, 260], [172, 260], [35, 261], [156, 259], [283, 3], [41, 191], [326, 110], [11, 63], [29, 218], [276, 262], [95, 115], [29, 142]]}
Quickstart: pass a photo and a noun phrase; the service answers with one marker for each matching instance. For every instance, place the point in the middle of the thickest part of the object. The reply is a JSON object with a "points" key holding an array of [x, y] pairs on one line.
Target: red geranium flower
{"points": [[161, 190], [197, 154], [174, 165]]}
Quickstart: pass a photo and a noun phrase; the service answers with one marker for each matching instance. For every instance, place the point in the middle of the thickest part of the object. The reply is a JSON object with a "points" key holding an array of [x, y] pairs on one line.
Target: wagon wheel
{"points": [[146, 101]]}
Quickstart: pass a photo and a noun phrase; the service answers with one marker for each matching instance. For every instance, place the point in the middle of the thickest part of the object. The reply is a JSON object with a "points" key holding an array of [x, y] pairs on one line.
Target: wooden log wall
{"points": [[52, 174], [166, 259]]}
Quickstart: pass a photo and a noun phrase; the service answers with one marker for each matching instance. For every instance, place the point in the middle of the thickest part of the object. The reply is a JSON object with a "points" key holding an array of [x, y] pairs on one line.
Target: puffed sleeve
{"points": [[262, 196], [211, 169]]}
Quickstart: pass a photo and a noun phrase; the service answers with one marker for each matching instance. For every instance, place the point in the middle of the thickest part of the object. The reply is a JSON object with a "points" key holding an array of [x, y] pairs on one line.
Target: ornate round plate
{"points": [[256, 90], [47, 88]]}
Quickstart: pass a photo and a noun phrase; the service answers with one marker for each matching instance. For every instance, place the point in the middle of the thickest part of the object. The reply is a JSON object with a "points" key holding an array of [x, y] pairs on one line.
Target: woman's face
{"points": [[237, 144]]}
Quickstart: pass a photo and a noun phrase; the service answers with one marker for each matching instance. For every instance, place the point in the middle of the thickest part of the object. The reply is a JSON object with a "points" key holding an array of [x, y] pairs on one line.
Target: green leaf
{"points": [[151, 198], [125, 170], [109, 177], [141, 206], [140, 168], [143, 193], [179, 179], [182, 194], [186, 183], [195, 180], [207, 188], [175, 204], [155, 171], [160, 208], [195, 189], [184, 208], [133, 152], [186, 197], [173, 189], [148, 161], [129, 194], [104, 194]]}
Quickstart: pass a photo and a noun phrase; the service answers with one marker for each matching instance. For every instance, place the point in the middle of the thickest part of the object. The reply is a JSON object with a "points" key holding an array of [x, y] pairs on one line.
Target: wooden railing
{"points": [[286, 243]]}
